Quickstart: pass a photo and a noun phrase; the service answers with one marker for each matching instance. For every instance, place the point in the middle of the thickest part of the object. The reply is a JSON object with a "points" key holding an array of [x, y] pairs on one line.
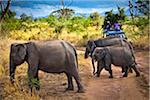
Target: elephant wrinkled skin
{"points": [[118, 56], [49, 56]]}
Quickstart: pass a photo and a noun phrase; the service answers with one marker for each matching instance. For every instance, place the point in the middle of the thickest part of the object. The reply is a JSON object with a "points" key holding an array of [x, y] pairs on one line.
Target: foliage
{"points": [[4, 9], [25, 18], [10, 23], [112, 17], [143, 7], [65, 12], [139, 11], [95, 19]]}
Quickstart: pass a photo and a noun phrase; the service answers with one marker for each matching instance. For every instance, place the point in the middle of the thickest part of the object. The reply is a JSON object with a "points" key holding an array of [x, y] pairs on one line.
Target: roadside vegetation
{"points": [[76, 29]]}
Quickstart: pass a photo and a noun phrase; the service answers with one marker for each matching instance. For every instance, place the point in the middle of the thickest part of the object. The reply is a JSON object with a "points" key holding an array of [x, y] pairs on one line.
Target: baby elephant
{"points": [[118, 56]]}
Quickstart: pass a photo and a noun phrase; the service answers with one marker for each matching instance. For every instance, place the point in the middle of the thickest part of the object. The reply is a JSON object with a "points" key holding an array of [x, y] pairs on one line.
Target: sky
{"points": [[42, 8]]}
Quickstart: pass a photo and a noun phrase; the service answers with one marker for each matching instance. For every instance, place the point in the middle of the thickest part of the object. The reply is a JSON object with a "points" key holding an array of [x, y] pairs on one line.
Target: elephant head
{"points": [[89, 48], [99, 54], [18, 54]]}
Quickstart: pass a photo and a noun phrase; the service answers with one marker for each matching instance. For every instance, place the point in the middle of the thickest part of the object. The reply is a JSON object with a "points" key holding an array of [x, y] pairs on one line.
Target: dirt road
{"points": [[118, 88], [114, 89]]}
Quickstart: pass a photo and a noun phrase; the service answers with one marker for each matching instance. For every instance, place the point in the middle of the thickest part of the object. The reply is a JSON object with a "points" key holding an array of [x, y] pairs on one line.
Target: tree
{"points": [[64, 12], [95, 19], [143, 7], [112, 18], [139, 11], [4, 9], [25, 17]]}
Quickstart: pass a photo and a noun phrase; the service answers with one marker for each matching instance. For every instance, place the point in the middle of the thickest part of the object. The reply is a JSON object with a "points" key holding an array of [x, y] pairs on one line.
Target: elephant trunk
{"points": [[93, 66], [12, 71]]}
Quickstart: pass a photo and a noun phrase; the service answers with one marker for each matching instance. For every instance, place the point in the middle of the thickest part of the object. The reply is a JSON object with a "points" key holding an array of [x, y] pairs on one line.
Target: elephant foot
{"points": [[81, 91], [137, 75], [69, 89], [97, 75], [110, 76], [12, 80], [124, 75], [94, 73]]}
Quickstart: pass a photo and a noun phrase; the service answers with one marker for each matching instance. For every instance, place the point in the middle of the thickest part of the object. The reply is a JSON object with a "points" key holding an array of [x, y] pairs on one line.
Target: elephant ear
{"points": [[22, 51], [103, 53]]}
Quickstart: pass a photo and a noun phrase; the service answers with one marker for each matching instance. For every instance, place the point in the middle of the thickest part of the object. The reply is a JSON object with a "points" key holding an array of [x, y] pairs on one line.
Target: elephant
{"points": [[118, 56], [109, 41], [55, 56]]}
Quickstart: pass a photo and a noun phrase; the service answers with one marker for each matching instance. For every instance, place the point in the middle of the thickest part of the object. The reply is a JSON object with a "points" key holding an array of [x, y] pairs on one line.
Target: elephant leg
{"points": [[78, 81], [70, 82], [130, 70], [136, 71], [99, 69], [126, 72], [110, 72], [32, 75], [30, 80], [37, 83], [123, 70]]}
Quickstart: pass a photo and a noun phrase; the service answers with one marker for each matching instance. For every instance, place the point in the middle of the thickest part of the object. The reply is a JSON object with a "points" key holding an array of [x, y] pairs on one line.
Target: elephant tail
{"points": [[76, 58]]}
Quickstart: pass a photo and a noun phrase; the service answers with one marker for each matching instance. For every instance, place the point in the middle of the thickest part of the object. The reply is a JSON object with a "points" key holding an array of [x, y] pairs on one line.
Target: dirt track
{"points": [[114, 89]]}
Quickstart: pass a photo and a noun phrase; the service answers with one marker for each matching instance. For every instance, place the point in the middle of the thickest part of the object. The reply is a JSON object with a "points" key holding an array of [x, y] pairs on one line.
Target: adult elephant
{"points": [[109, 41], [118, 56], [49, 56]]}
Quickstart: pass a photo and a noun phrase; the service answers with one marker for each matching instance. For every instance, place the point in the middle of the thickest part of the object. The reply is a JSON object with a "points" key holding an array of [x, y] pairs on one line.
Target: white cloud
{"points": [[36, 11], [43, 10], [91, 10]]}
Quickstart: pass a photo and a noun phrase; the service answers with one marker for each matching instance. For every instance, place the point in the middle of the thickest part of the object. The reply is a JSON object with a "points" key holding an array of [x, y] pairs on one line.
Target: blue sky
{"points": [[42, 8]]}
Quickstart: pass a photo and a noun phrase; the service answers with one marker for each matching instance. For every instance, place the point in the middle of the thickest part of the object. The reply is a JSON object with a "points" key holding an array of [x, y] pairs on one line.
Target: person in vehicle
{"points": [[108, 26], [117, 26]]}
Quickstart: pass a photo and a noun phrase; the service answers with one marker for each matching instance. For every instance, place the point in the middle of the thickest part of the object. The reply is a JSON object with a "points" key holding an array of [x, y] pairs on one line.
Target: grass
{"points": [[139, 38]]}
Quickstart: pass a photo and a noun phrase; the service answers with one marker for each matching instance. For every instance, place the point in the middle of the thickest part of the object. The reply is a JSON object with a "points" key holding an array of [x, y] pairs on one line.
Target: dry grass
{"points": [[47, 33], [139, 38]]}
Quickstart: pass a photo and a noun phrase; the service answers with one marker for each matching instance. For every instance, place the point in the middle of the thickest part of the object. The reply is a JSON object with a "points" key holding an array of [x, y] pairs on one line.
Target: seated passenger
{"points": [[117, 26], [107, 28]]}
